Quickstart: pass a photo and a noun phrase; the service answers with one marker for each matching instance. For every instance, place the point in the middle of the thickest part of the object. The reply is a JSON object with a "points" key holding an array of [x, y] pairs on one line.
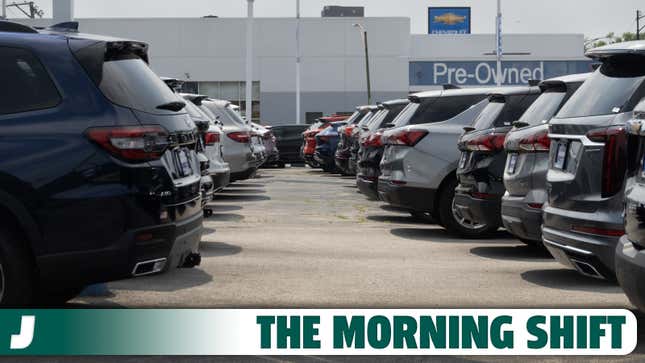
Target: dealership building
{"points": [[210, 54]]}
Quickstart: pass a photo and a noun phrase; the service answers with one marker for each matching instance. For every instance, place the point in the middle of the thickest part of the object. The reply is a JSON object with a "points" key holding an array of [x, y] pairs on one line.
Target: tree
{"points": [[610, 38]]}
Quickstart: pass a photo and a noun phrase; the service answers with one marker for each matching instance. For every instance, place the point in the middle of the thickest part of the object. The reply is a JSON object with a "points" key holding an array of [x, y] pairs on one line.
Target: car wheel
{"points": [[281, 164], [16, 271], [328, 169], [423, 217], [454, 221]]}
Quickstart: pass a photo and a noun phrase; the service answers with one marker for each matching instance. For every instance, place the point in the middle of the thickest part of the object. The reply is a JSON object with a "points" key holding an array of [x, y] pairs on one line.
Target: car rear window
{"points": [[27, 85], [404, 117], [195, 112], [444, 108], [504, 111], [128, 81], [392, 113], [616, 87]]}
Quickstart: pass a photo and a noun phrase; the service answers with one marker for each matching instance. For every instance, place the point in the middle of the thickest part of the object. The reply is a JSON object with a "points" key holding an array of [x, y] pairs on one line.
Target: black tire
{"points": [[17, 277], [449, 219], [281, 165], [423, 217]]}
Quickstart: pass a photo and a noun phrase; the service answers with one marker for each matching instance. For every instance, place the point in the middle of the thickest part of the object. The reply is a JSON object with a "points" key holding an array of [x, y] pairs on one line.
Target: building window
{"points": [[235, 92]]}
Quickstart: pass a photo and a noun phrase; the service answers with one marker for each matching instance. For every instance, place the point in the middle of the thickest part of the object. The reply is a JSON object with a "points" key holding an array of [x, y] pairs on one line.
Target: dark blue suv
{"points": [[99, 178]]}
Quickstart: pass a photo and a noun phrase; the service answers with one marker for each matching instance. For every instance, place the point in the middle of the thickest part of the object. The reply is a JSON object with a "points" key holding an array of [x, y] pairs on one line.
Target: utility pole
{"points": [[298, 90], [4, 9], [33, 10], [249, 62], [498, 37], [367, 62], [639, 28]]}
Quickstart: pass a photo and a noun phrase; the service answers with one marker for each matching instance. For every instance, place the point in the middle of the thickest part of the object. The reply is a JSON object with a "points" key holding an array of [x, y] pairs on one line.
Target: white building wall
{"points": [[333, 66]]}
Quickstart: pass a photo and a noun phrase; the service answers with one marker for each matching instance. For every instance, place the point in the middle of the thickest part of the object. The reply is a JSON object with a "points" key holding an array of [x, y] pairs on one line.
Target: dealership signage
{"points": [[448, 20], [317, 332], [484, 73]]}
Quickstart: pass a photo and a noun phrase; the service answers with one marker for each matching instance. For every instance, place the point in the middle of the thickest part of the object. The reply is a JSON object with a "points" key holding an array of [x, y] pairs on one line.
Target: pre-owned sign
{"points": [[484, 73]]}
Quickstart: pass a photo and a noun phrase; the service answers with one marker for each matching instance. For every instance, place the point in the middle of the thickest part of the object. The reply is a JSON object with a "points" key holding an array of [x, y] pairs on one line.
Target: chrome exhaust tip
{"points": [[149, 267], [587, 269]]}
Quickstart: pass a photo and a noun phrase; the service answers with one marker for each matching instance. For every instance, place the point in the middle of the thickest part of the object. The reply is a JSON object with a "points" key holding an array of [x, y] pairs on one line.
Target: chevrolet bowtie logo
{"points": [[449, 19]]}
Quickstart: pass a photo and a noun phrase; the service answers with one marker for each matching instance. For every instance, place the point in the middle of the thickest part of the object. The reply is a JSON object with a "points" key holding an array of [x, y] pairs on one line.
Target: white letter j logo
{"points": [[24, 339]]}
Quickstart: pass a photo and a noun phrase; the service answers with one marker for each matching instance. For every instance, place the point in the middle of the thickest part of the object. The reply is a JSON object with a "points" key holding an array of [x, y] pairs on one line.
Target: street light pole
{"points": [[638, 24], [298, 111], [367, 62], [249, 62], [4, 9], [498, 37]]}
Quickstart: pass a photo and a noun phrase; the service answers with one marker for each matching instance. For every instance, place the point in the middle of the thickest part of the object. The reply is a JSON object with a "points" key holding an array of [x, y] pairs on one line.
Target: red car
{"points": [[309, 138]]}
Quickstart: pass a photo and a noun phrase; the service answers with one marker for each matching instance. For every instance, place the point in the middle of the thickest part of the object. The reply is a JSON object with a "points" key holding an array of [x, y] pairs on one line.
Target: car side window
{"points": [[27, 85]]}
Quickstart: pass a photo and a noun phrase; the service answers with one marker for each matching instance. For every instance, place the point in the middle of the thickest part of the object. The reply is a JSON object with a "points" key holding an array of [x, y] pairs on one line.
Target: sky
{"points": [[594, 18]]}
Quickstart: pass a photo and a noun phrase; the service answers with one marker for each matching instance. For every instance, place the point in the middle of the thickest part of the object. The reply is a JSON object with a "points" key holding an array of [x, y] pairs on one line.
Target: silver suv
{"points": [[421, 155], [237, 139], [583, 218]]}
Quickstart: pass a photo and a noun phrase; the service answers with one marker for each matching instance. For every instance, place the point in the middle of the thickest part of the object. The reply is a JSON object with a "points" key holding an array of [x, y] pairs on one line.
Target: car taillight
{"points": [[407, 137], [486, 142], [131, 143], [599, 231], [614, 163], [538, 142], [242, 137], [374, 140], [349, 130], [211, 138]]}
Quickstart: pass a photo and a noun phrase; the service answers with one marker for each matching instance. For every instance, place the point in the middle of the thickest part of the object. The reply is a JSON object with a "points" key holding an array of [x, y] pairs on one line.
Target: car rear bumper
{"points": [[169, 244], [483, 211], [368, 186], [591, 255], [325, 159], [243, 175], [221, 180], [342, 164], [409, 198], [521, 220], [630, 271], [311, 160]]}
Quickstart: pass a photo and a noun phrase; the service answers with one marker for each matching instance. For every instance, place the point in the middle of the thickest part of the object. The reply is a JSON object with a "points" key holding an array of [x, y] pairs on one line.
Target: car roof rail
{"points": [[450, 86], [11, 27]]}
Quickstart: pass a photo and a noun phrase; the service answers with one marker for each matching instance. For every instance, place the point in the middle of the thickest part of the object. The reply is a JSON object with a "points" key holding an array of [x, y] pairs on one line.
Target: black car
{"points": [[372, 146], [478, 196], [99, 176], [630, 251], [289, 142], [527, 146]]}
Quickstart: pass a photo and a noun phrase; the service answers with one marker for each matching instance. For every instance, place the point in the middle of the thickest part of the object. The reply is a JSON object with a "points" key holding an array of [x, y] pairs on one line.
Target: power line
{"points": [[32, 10]]}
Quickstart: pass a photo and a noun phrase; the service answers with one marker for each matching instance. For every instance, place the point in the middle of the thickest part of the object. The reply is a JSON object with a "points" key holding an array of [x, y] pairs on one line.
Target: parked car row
{"points": [[559, 163], [104, 168]]}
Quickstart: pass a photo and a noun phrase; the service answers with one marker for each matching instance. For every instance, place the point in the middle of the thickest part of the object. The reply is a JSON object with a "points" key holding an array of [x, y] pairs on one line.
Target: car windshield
{"points": [[354, 118], [129, 82], [614, 88], [404, 117], [543, 109]]}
